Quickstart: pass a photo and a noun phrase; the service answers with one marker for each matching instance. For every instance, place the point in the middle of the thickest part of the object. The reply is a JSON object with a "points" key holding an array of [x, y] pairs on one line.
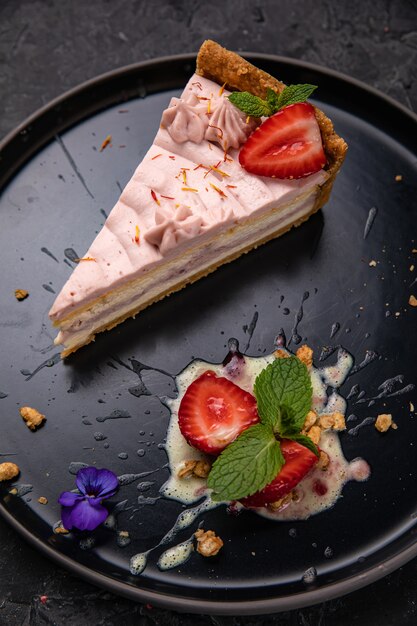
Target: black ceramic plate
{"points": [[58, 187]]}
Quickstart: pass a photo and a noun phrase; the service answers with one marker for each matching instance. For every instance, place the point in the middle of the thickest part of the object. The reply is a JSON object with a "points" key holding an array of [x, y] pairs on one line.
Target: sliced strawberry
{"points": [[287, 145], [298, 462], [214, 411]]}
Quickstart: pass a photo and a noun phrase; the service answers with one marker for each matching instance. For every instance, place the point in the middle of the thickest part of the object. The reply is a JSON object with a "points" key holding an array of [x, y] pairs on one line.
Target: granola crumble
{"points": [[21, 294], [200, 469], [384, 422], [32, 417], [207, 542], [281, 354], [8, 471], [305, 354]]}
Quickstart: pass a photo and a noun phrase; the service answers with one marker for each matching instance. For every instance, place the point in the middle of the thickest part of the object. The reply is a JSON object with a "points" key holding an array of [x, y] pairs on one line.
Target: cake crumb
{"points": [[207, 542], [314, 433], [310, 420], [275, 506], [398, 178], [60, 530], [281, 354], [324, 461], [326, 421], [8, 471], [411, 407], [412, 301], [411, 268], [43, 500], [200, 469], [305, 355], [372, 263], [32, 417], [383, 422], [339, 421], [124, 534], [21, 294]]}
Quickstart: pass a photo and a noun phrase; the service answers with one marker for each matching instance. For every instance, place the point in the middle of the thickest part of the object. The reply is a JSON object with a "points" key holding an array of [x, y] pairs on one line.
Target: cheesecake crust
{"points": [[225, 67]]}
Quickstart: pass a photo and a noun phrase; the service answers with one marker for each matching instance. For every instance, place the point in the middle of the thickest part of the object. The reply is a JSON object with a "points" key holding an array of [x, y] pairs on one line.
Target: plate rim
{"points": [[123, 588]]}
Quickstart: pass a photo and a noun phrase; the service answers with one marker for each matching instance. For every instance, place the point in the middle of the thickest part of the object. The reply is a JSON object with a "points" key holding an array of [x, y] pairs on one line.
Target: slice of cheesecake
{"points": [[190, 205]]}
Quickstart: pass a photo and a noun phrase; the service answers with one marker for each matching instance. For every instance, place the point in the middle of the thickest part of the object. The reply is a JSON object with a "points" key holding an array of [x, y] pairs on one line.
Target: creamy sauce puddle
{"points": [[317, 492]]}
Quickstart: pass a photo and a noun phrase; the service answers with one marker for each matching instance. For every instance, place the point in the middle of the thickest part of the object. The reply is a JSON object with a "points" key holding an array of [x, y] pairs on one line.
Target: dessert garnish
{"points": [[21, 294], [256, 457], [32, 417], [208, 544], [84, 510], [8, 471], [256, 107], [214, 411], [288, 144]]}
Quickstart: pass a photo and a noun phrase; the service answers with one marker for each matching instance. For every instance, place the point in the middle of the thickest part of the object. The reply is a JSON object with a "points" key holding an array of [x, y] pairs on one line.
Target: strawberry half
{"points": [[287, 145], [298, 462], [214, 411]]}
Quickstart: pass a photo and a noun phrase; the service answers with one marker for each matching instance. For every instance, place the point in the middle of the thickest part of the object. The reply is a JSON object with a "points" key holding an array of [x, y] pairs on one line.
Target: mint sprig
{"points": [[246, 465], [284, 394], [256, 107]]}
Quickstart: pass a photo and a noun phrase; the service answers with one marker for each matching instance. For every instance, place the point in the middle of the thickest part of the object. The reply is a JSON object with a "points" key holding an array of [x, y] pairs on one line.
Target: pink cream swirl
{"points": [[191, 119], [228, 126], [174, 227], [184, 120]]}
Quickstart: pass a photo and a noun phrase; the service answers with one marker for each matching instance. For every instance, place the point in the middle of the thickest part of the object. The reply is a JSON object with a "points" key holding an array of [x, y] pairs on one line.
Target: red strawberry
{"points": [[214, 411], [287, 145], [298, 462]]}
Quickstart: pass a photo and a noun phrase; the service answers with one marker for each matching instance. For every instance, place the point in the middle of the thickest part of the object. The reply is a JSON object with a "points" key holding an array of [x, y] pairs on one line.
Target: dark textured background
{"points": [[48, 46]]}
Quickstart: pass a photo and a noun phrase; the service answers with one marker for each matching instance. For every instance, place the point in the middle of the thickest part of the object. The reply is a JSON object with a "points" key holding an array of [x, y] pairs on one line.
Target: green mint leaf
{"points": [[249, 104], [284, 383], [293, 94], [305, 441], [247, 465], [272, 99]]}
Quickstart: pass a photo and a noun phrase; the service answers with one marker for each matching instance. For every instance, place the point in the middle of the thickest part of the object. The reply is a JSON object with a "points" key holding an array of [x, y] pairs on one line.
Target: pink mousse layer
{"points": [[171, 169]]}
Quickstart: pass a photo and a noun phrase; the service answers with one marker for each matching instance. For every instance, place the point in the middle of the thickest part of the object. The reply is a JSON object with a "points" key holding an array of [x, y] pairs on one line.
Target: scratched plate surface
{"points": [[103, 405]]}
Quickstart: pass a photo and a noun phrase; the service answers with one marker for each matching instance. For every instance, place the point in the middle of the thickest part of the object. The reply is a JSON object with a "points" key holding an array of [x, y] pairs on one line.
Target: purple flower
{"points": [[84, 510]]}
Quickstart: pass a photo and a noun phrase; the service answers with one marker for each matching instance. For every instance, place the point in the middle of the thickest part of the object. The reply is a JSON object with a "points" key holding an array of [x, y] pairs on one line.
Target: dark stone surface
{"points": [[48, 46]]}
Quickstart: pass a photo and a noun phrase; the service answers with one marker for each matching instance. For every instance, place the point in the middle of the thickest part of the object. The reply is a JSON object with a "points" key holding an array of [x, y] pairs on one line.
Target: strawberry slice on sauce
{"points": [[298, 462], [214, 411], [287, 145]]}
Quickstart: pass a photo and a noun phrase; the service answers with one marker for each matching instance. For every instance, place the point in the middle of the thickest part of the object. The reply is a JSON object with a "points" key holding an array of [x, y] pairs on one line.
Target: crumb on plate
{"points": [[21, 294], [384, 422], [8, 471], [207, 542], [32, 417]]}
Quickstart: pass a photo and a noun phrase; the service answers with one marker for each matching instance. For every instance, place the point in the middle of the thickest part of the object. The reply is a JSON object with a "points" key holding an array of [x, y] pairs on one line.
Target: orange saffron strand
{"points": [[167, 197], [155, 197], [231, 186], [209, 107], [155, 157], [220, 136], [198, 85], [137, 232], [222, 89], [219, 191], [189, 189], [105, 143], [85, 258]]}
